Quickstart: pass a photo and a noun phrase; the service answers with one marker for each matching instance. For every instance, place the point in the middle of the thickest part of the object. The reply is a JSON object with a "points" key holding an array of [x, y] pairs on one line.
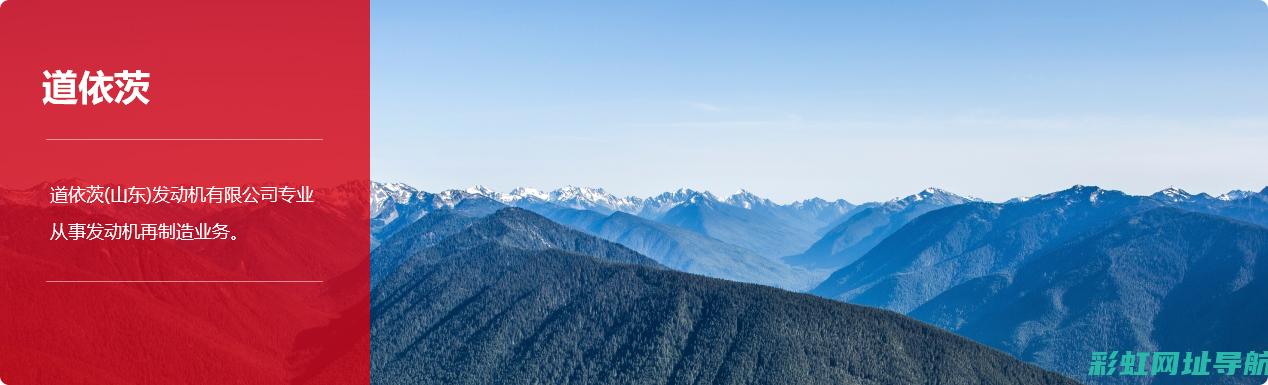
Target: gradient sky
{"points": [[857, 100]]}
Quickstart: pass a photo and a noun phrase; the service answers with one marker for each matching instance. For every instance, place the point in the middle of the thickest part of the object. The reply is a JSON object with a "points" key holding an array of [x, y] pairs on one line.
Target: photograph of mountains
{"points": [[848, 193], [577, 285]]}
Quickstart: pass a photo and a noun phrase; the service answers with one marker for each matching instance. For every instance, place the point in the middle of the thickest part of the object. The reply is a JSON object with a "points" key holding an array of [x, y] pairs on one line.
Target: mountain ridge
{"points": [[948, 246], [1165, 279], [848, 240], [496, 313]]}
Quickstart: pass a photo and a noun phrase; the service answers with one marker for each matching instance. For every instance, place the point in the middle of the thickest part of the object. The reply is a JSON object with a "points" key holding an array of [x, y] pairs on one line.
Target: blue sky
{"points": [[857, 100]]}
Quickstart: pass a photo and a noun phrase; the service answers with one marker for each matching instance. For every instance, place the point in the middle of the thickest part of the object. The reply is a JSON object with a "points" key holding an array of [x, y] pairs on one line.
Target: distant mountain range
{"points": [[1162, 280], [950, 246], [1242, 205], [1054, 277], [394, 206], [741, 237], [516, 298], [681, 249], [753, 223], [863, 229], [391, 199], [1047, 278]]}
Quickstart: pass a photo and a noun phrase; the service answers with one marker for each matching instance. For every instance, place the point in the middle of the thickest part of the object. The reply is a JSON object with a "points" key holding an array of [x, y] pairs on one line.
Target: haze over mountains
{"points": [[862, 230], [1001, 273], [742, 237]]}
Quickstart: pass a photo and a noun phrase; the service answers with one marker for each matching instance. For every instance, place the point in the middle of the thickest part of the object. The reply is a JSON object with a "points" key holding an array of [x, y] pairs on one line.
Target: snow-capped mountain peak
{"points": [[653, 207], [449, 198], [1235, 195], [1176, 195], [382, 193], [747, 200], [481, 190], [598, 199], [1172, 194], [1081, 193], [589, 194], [593, 198], [528, 192], [932, 195], [398, 192], [683, 195]]}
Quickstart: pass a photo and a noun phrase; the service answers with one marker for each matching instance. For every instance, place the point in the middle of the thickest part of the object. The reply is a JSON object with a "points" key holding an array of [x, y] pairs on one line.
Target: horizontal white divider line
{"points": [[184, 281], [184, 139]]}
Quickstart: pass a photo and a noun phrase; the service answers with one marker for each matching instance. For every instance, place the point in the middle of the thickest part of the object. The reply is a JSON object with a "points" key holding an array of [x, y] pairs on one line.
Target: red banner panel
{"points": [[184, 192]]}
